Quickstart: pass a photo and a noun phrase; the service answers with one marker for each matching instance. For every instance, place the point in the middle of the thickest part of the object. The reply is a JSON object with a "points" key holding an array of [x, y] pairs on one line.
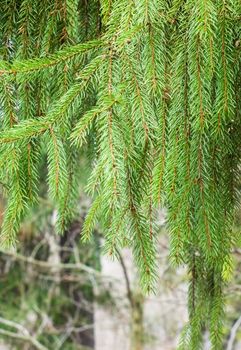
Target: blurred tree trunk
{"points": [[137, 326]]}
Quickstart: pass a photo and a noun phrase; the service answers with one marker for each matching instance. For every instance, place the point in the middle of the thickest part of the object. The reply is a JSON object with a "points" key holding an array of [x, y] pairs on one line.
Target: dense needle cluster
{"points": [[154, 88]]}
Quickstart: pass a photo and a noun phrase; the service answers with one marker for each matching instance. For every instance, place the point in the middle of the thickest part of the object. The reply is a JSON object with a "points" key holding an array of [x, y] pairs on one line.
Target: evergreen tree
{"points": [[153, 88]]}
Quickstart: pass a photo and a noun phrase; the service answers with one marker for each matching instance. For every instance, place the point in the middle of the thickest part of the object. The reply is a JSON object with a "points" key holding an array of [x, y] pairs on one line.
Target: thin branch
{"points": [[47, 265], [233, 333], [127, 280], [25, 336]]}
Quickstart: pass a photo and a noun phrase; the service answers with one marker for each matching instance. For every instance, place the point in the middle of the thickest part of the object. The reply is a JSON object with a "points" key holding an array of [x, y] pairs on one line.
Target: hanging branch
{"points": [[150, 91]]}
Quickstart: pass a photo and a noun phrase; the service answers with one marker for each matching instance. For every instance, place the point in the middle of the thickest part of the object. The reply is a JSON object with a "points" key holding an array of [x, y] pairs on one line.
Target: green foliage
{"points": [[153, 88]]}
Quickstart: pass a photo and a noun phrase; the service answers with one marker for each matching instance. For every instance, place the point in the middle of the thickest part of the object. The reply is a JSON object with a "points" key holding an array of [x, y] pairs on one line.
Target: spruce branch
{"points": [[32, 65], [154, 89]]}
